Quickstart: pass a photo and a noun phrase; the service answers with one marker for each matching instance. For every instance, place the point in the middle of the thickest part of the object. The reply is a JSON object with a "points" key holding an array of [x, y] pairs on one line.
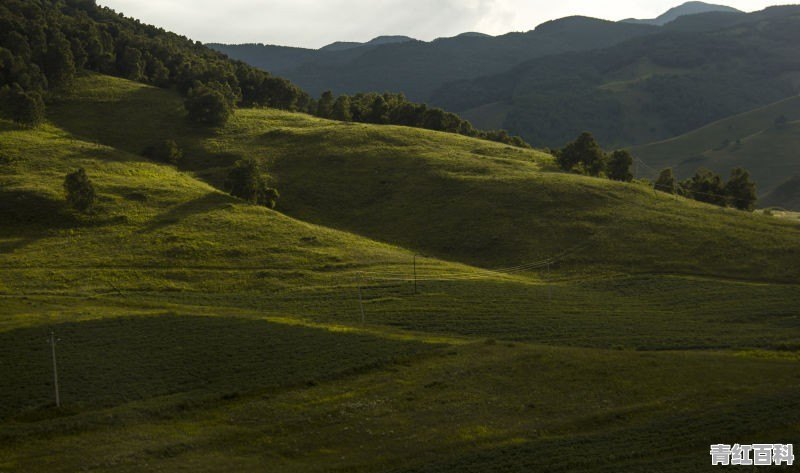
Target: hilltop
{"points": [[687, 9]]}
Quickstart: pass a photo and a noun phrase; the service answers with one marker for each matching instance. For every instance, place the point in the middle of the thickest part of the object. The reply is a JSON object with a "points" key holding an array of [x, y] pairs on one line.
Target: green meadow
{"points": [[418, 302]]}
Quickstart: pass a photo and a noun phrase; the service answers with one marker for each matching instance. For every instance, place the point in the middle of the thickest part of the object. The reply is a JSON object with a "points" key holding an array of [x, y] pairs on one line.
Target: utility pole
{"points": [[415, 274], [360, 301], [55, 367]]}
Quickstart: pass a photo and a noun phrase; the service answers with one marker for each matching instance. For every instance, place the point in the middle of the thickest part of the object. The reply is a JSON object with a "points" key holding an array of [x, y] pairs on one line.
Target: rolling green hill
{"points": [[201, 333], [764, 141], [642, 90]]}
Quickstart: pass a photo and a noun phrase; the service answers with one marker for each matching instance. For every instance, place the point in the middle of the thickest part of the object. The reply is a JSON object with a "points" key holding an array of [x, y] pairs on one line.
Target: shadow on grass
{"points": [[32, 209], [200, 205]]}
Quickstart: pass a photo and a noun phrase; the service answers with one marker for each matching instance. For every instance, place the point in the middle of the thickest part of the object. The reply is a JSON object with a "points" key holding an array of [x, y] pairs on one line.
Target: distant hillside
{"points": [[380, 40], [786, 195], [765, 141], [643, 90], [688, 8], [418, 68]]}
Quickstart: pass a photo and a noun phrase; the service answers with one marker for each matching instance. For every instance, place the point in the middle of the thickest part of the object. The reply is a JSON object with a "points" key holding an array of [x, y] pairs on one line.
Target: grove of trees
{"points": [[585, 156], [706, 186]]}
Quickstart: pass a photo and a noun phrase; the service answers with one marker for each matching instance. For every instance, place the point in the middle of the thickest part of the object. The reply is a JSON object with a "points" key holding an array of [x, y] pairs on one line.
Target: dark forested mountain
{"points": [[418, 68], [643, 90], [688, 8]]}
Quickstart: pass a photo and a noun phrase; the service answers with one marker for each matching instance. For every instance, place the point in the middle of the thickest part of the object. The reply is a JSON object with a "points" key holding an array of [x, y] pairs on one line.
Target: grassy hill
{"points": [[199, 333], [754, 140]]}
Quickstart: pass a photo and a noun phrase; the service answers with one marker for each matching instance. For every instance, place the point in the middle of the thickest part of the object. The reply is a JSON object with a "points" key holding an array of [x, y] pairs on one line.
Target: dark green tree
{"points": [[341, 109], [666, 182], [25, 108], [379, 110], [79, 191], [583, 155], [741, 190], [207, 106], [325, 105], [619, 166], [705, 186], [59, 65], [249, 182], [131, 64]]}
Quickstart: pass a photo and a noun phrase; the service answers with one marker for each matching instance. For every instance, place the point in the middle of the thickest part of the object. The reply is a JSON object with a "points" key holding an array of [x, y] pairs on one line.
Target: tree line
{"points": [[396, 109], [585, 156], [45, 43]]}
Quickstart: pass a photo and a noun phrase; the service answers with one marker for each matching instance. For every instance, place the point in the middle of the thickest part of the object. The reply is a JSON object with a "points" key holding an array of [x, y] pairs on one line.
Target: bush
{"points": [[80, 191], [166, 151], [25, 108], [666, 182], [247, 181]]}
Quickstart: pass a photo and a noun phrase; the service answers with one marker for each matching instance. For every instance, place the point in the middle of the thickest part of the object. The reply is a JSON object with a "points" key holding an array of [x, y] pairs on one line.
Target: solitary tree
{"points": [[247, 181], [666, 182], [619, 166], [740, 190], [79, 191], [582, 155]]}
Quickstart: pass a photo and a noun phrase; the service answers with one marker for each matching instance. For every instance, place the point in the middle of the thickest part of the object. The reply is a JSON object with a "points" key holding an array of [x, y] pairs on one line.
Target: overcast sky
{"points": [[315, 23]]}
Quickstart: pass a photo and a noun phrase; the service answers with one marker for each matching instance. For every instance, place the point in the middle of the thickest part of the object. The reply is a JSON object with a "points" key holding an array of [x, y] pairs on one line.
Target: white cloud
{"points": [[314, 23]]}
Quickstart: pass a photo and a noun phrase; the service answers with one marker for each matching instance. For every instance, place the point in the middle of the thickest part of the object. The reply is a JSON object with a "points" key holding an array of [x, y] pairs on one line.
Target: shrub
{"points": [[247, 181], [80, 191], [666, 182], [166, 151]]}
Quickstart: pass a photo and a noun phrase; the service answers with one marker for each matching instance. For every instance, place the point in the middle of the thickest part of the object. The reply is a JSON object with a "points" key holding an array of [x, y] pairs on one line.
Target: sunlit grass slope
{"points": [[445, 195], [198, 333]]}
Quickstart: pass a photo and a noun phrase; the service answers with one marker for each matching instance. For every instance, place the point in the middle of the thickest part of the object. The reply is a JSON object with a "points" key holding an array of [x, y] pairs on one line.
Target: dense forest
{"points": [[45, 43]]}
